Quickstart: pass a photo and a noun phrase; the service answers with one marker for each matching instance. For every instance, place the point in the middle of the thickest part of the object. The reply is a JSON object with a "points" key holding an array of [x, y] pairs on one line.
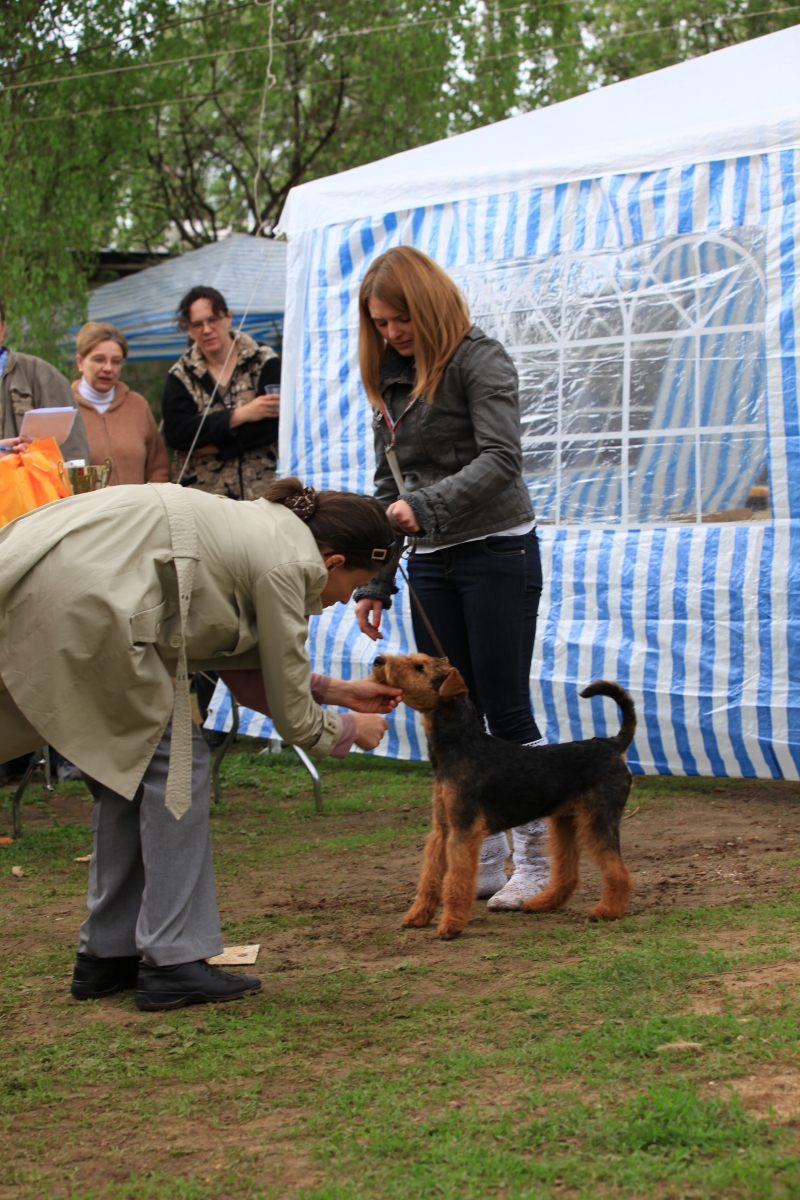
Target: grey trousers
{"points": [[151, 878]]}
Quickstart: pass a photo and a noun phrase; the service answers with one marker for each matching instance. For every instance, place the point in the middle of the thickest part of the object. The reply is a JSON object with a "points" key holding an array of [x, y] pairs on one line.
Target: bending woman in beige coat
{"points": [[104, 600]]}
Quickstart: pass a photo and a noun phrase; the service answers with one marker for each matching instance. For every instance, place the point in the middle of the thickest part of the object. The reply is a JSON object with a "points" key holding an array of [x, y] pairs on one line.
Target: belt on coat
{"points": [[183, 536]]}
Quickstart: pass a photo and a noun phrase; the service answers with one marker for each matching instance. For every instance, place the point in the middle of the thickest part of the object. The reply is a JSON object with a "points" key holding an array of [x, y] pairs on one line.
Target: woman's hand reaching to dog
{"points": [[363, 695], [369, 730], [367, 699]]}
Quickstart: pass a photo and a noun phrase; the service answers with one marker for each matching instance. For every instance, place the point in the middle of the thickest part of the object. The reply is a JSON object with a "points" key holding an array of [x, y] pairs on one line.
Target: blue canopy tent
{"points": [[636, 250], [250, 272]]}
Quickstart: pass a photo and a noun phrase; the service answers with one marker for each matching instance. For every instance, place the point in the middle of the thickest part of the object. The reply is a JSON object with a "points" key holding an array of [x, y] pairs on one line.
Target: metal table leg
{"points": [[48, 782], [314, 773], [218, 757], [16, 803]]}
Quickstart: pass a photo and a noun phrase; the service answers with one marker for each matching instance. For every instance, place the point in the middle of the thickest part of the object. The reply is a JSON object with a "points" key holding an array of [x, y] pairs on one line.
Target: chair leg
{"points": [[48, 783], [218, 757], [314, 773], [16, 803]]}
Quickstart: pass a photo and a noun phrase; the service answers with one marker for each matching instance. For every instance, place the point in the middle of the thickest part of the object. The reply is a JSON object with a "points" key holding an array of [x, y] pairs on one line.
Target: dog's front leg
{"points": [[463, 851], [429, 890]]}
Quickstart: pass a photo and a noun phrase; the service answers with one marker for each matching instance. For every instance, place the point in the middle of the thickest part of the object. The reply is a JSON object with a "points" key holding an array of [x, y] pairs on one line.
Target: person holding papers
{"points": [[26, 383], [118, 421]]}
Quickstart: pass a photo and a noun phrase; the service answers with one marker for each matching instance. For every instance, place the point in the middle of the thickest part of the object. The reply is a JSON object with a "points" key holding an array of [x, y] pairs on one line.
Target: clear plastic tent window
{"points": [[642, 377], [652, 316]]}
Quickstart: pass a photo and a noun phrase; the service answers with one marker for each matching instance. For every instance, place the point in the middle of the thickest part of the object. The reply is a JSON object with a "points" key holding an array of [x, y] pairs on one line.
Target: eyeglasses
{"points": [[211, 322]]}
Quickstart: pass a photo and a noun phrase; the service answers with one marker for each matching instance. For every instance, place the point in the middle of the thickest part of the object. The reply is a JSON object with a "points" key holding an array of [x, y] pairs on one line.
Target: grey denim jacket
{"points": [[460, 456]]}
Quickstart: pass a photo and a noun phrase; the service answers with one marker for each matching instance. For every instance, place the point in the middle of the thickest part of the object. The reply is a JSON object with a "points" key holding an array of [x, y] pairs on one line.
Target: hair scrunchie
{"points": [[303, 504]]}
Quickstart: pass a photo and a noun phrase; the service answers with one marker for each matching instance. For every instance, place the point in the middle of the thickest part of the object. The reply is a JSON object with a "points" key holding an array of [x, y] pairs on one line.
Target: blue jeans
{"points": [[482, 599]]}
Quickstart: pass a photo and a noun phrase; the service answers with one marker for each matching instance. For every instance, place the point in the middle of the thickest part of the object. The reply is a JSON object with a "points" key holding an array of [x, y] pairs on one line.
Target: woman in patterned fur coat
{"points": [[237, 447]]}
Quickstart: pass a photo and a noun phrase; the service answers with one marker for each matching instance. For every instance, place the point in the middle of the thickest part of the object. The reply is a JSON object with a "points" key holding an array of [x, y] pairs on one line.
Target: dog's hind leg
{"points": [[463, 852], [565, 856], [429, 889], [603, 845]]}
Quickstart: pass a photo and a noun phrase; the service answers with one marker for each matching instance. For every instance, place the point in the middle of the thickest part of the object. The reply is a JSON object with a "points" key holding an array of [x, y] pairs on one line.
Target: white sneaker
{"points": [[67, 771], [522, 885], [531, 868], [491, 867]]}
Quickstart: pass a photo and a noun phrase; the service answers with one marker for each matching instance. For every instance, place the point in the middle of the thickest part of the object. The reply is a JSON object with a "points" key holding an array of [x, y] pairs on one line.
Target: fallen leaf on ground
{"points": [[18, 872], [83, 858], [680, 1047]]}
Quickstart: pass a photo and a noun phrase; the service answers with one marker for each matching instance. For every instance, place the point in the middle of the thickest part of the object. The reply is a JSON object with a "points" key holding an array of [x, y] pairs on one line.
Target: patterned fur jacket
{"points": [[243, 460]]}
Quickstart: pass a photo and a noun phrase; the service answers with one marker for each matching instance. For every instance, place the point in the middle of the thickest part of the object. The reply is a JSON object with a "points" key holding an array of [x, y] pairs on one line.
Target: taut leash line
{"points": [[412, 551]]}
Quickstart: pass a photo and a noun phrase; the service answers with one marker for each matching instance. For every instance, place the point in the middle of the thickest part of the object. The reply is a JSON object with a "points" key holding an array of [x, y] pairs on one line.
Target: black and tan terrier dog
{"points": [[483, 785]]}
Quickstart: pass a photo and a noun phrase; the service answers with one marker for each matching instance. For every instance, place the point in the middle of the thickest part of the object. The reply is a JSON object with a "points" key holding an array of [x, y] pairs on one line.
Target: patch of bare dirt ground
{"points": [[319, 911], [770, 1094]]}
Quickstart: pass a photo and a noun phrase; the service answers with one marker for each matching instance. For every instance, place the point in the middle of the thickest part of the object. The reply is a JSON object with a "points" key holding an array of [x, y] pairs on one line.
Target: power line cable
{"points": [[131, 37], [269, 82], [314, 37], [235, 8], [201, 97]]}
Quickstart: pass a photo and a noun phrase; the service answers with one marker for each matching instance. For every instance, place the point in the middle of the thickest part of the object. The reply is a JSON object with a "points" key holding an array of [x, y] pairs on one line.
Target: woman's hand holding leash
{"points": [[402, 515]]}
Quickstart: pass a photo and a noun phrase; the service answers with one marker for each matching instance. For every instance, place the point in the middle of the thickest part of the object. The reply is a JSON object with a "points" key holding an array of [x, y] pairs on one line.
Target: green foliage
{"points": [[158, 122], [674, 1117], [61, 176]]}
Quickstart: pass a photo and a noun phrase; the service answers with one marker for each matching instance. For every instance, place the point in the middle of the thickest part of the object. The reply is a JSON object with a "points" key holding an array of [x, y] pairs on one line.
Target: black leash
{"points": [[410, 554]]}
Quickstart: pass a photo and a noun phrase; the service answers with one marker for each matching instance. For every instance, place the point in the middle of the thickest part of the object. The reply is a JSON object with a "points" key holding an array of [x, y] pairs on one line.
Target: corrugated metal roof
{"points": [[250, 272]]}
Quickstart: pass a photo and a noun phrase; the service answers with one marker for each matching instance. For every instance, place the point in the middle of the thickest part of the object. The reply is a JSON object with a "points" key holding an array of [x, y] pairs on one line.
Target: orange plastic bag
{"points": [[30, 479]]}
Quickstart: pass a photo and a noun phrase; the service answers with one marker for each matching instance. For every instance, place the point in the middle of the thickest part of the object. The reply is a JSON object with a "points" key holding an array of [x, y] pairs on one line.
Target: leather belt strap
{"points": [[183, 535]]}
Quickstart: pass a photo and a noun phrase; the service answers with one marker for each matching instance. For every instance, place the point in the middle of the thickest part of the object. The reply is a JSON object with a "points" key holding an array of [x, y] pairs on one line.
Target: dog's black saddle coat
{"points": [[509, 785]]}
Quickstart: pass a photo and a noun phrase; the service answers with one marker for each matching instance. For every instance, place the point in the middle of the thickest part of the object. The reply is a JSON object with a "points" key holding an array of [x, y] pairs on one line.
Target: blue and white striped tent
{"points": [[636, 251], [250, 272]]}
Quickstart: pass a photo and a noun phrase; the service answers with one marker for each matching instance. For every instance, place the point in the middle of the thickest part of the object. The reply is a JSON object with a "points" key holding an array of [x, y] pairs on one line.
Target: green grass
{"points": [[521, 1061]]}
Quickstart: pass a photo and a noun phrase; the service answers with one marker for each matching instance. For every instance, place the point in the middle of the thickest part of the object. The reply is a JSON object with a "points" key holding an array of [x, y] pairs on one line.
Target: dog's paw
{"points": [[447, 932], [604, 912], [541, 904], [417, 917]]}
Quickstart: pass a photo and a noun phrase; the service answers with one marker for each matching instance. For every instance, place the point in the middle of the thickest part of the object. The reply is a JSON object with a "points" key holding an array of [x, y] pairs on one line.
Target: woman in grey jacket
{"points": [[449, 472]]}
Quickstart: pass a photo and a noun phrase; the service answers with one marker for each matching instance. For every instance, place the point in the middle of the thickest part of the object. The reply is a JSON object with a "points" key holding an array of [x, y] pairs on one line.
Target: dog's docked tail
{"points": [[601, 687]]}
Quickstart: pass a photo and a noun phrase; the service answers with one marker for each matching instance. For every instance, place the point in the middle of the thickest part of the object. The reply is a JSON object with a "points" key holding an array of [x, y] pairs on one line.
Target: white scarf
{"points": [[101, 400]]}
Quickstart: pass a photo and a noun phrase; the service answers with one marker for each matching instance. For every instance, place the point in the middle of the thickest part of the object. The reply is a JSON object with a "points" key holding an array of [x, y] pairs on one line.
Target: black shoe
{"points": [[190, 983], [97, 977]]}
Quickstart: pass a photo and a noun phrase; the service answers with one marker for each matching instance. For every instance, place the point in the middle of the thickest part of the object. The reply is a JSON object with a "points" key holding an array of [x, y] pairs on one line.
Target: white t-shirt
{"points": [[517, 530]]}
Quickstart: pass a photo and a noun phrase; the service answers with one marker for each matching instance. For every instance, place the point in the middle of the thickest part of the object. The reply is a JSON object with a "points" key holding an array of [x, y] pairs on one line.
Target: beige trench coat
{"points": [[90, 623]]}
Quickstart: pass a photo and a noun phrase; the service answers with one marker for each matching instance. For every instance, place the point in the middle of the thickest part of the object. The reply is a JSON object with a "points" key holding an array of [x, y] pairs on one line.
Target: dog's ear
{"points": [[453, 687]]}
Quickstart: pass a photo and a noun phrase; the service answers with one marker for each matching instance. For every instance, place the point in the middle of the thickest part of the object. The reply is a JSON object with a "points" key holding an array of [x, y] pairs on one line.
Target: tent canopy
{"points": [[733, 102], [636, 250], [250, 272]]}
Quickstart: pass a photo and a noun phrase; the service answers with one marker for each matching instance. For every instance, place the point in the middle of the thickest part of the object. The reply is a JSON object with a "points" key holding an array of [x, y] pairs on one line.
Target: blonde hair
{"points": [[411, 282], [95, 332]]}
